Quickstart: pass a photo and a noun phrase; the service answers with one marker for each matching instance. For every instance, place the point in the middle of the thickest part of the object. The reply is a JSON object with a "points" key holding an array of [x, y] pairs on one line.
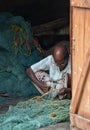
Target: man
{"points": [[58, 65]]}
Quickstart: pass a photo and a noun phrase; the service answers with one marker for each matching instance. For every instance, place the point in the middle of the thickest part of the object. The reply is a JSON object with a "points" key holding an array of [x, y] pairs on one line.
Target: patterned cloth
{"points": [[55, 86], [44, 77]]}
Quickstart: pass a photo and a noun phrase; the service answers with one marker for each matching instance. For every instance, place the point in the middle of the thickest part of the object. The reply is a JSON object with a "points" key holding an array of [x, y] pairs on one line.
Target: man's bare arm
{"points": [[32, 76]]}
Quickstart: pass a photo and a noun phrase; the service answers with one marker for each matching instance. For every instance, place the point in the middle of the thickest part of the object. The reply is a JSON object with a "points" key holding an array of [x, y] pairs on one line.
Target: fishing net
{"points": [[35, 113], [16, 54]]}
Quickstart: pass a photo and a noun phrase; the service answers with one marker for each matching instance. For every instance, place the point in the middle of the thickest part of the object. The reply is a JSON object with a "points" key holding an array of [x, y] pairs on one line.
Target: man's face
{"points": [[61, 57], [62, 63]]}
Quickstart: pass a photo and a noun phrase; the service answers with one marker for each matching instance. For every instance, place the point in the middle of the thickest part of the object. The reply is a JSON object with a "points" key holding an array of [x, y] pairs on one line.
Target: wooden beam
{"points": [[50, 25], [81, 3], [79, 122]]}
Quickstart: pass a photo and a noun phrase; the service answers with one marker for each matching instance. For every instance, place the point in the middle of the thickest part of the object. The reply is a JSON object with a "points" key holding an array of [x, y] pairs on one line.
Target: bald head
{"points": [[59, 52]]}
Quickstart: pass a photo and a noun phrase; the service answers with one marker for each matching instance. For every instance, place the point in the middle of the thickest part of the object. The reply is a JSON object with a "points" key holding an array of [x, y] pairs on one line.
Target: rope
{"points": [[18, 42]]}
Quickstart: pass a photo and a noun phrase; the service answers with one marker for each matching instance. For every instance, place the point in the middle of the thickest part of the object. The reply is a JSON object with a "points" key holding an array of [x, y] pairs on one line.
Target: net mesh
{"points": [[16, 54], [35, 113]]}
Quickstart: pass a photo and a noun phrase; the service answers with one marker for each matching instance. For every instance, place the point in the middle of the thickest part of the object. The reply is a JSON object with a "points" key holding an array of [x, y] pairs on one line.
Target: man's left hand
{"points": [[65, 91]]}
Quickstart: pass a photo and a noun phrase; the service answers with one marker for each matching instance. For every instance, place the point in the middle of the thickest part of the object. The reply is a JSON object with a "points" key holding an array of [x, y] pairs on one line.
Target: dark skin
{"points": [[32, 76], [61, 62], [58, 54]]}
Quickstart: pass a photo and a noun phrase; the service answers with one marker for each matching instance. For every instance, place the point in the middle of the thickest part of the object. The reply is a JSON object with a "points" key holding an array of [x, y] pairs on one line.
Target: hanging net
{"points": [[16, 54]]}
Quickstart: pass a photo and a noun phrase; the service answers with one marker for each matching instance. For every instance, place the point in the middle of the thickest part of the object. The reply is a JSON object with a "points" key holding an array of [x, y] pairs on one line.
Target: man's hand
{"points": [[62, 91], [44, 88], [41, 85], [65, 92]]}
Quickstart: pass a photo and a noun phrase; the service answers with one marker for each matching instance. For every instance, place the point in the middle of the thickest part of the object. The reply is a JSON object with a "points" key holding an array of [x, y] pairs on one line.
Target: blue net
{"points": [[16, 54], [35, 113]]}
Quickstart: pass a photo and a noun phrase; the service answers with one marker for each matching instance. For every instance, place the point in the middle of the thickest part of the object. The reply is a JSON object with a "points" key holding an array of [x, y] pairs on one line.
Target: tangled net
{"points": [[35, 113]]}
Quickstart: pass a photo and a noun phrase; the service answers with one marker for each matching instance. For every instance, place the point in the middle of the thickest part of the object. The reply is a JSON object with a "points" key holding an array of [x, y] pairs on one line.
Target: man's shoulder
{"points": [[50, 56]]}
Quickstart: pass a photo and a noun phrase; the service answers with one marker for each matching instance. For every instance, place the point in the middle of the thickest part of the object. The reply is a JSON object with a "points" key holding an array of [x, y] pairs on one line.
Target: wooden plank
{"points": [[84, 105], [50, 26], [77, 45], [80, 122], [79, 90], [81, 3], [80, 45]]}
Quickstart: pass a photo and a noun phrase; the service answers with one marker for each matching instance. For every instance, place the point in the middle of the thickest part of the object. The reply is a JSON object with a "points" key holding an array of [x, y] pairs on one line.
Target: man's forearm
{"points": [[32, 76]]}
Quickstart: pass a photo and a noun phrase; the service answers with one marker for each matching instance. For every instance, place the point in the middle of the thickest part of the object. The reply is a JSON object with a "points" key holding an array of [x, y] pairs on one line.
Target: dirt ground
{"points": [[59, 126], [9, 101]]}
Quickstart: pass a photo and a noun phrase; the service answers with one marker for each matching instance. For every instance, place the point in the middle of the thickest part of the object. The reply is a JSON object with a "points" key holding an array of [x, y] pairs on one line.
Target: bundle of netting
{"points": [[35, 113], [16, 54]]}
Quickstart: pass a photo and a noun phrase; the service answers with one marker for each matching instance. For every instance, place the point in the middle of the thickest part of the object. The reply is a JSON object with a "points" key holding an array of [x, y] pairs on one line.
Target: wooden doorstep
{"points": [[79, 122]]}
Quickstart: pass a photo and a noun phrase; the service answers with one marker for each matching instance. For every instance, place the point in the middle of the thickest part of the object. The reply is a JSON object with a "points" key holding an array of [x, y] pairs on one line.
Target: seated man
{"points": [[58, 65]]}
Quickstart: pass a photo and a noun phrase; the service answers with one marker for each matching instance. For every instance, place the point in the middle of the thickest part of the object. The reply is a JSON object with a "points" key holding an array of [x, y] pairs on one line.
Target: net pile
{"points": [[35, 113], [16, 54]]}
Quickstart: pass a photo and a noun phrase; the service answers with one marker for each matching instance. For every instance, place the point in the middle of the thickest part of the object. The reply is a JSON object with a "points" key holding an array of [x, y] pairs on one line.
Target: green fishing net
{"points": [[16, 54], [35, 113]]}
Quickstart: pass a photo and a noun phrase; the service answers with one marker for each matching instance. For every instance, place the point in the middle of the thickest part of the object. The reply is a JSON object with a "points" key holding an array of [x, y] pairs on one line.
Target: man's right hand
{"points": [[41, 85], [44, 88]]}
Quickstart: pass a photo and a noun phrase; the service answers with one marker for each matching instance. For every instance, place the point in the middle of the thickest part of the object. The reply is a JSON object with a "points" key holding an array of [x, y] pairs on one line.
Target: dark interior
{"points": [[44, 15], [37, 11]]}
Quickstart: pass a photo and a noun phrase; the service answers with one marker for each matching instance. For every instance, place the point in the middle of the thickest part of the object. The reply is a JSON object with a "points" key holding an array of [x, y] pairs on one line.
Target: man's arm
{"points": [[32, 76], [67, 90]]}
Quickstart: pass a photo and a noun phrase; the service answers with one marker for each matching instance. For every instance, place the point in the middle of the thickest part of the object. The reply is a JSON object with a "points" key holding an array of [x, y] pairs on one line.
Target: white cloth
{"points": [[55, 74]]}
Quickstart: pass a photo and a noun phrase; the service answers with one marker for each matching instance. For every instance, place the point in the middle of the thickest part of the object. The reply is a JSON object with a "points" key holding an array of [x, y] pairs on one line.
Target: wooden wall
{"points": [[80, 47]]}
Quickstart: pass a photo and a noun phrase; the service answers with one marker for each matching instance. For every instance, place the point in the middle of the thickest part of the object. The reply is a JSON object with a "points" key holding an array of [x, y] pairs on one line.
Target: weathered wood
{"points": [[81, 3], [81, 43], [84, 108], [80, 40], [79, 90], [50, 25], [79, 122], [77, 46]]}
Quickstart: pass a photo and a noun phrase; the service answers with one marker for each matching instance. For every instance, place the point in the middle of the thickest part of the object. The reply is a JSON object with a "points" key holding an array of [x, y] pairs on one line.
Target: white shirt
{"points": [[55, 74]]}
